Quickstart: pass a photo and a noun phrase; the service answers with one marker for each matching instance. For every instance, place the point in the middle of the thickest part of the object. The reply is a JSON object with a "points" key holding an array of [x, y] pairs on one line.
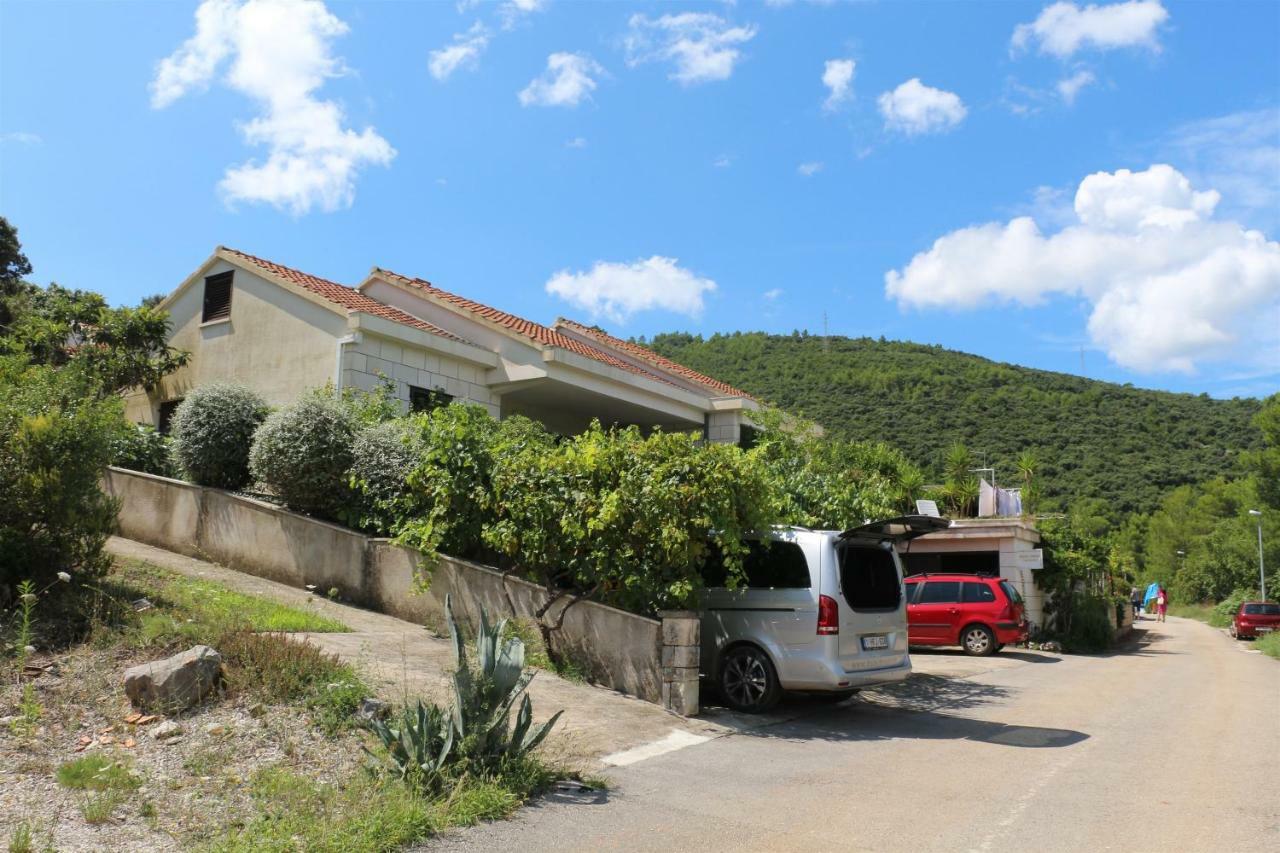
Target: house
{"points": [[281, 332], [1000, 547]]}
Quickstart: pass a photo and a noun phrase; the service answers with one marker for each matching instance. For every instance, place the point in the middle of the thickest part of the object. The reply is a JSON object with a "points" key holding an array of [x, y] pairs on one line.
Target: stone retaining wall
{"points": [[614, 648]]}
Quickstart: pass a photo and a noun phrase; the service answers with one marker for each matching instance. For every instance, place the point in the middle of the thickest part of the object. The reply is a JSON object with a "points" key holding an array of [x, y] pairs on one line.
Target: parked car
{"points": [[981, 614], [1254, 618], [821, 611]]}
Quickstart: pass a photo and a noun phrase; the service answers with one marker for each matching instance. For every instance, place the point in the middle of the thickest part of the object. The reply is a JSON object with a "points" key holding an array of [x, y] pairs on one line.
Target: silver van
{"points": [[821, 611]]}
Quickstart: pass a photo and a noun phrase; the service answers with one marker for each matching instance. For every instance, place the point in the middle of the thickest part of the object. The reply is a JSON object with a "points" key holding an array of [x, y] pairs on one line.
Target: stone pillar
{"points": [[681, 651]]}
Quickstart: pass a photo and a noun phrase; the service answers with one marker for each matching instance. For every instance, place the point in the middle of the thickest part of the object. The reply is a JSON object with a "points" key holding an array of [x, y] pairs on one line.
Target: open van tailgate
{"points": [[898, 529]]}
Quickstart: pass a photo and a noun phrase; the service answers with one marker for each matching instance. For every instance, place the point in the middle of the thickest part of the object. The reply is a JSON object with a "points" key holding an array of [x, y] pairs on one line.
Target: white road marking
{"points": [[676, 740]]}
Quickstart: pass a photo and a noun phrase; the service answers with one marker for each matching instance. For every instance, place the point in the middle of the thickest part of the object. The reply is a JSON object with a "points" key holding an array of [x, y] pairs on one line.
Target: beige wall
{"points": [[275, 342], [374, 356]]}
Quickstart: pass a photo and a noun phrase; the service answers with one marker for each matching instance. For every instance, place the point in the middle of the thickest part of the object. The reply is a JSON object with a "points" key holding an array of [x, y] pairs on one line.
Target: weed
{"points": [[21, 838], [203, 762], [275, 669], [97, 773], [98, 808]]}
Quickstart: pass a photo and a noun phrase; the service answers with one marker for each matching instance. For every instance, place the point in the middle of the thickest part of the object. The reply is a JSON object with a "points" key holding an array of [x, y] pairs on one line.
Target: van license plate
{"points": [[877, 642]]}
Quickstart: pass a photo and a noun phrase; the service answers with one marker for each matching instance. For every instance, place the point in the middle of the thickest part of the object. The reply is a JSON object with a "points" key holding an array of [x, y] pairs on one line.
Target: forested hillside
{"points": [[1094, 439]]}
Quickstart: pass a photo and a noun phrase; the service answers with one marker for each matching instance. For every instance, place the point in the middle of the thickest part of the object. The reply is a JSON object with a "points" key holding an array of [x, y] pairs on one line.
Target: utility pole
{"points": [[1262, 569]]}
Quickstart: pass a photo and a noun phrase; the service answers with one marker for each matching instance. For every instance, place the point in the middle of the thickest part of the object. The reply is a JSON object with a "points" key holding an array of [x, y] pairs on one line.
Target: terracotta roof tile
{"points": [[527, 328], [653, 358], [340, 294]]}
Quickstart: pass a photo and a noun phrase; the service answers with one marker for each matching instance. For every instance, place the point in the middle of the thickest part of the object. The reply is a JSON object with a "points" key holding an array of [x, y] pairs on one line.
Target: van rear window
{"points": [[869, 577], [768, 564]]}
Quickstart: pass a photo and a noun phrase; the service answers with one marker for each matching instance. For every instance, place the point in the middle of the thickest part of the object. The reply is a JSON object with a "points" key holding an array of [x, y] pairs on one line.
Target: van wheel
{"points": [[748, 682], [978, 640]]}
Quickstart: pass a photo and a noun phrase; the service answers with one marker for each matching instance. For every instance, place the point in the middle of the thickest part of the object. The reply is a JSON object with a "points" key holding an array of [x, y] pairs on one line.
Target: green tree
{"points": [[120, 347], [14, 267]]}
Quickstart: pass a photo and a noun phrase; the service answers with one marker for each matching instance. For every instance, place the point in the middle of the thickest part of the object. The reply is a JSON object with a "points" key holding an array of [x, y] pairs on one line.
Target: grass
{"points": [[97, 773], [1206, 613], [535, 650], [21, 838], [367, 813], [1269, 644], [210, 603]]}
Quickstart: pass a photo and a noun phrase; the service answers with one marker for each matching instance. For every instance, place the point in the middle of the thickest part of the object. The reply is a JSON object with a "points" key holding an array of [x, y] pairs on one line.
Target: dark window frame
{"points": [[215, 307], [164, 415], [428, 399]]}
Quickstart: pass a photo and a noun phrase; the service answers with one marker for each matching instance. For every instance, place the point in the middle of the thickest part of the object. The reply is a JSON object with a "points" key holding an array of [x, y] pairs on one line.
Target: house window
{"points": [[426, 399], [217, 297], [165, 418]]}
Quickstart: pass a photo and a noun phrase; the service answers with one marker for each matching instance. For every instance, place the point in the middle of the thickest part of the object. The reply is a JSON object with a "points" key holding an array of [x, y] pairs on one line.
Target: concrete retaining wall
{"points": [[614, 648]]}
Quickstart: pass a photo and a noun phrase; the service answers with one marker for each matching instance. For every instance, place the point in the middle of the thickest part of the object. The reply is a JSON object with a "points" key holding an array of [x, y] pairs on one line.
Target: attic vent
{"points": [[217, 297]]}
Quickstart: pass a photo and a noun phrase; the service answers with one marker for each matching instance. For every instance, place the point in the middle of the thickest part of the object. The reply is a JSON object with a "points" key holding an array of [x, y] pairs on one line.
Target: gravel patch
{"points": [[193, 783]]}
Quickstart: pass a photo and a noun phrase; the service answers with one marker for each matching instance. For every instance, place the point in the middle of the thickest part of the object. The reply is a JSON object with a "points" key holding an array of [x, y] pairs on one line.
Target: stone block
{"points": [[681, 697], [680, 630], [681, 656]]}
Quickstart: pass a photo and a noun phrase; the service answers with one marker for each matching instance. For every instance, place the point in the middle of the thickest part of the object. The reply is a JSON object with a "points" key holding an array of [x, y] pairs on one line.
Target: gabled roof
{"points": [[339, 294], [646, 354], [535, 332]]}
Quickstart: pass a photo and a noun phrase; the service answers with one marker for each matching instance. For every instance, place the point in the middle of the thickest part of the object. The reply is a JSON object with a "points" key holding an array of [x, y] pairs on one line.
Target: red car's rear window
{"points": [[1262, 609]]}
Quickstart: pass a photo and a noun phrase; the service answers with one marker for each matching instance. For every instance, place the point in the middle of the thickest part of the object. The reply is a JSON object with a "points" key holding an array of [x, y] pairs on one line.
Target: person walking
{"points": [[1162, 604], [1135, 598]]}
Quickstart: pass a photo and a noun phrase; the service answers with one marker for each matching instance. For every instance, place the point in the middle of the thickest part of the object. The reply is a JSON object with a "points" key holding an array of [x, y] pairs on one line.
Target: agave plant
{"points": [[485, 695], [425, 741], [418, 745]]}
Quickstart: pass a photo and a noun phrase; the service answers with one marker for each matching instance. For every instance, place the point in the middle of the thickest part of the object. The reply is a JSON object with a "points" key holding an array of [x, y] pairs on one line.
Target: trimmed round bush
{"points": [[303, 453], [141, 448], [381, 458], [212, 432]]}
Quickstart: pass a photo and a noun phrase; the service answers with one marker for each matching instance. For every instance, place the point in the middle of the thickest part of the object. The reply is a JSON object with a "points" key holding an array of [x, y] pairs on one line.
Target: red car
{"points": [[1254, 618], [981, 614]]}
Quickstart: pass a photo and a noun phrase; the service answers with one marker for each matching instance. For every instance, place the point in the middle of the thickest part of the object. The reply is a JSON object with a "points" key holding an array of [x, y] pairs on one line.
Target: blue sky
{"points": [[1024, 181]]}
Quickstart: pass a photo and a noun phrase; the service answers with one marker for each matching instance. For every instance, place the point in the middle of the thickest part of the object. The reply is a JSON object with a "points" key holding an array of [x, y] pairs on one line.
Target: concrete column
{"points": [[681, 652]]}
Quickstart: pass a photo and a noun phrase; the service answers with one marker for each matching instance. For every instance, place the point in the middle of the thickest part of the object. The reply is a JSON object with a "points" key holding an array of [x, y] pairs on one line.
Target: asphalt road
{"points": [[1170, 744]]}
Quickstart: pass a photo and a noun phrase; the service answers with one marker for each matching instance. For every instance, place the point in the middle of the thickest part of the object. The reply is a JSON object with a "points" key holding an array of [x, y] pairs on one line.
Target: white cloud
{"points": [[1168, 286], [1239, 154], [21, 137], [916, 108], [312, 159], [772, 295], [722, 162], [1069, 87], [464, 52], [1064, 28], [618, 290], [702, 47], [566, 82], [810, 169], [576, 142], [513, 11], [837, 76]]}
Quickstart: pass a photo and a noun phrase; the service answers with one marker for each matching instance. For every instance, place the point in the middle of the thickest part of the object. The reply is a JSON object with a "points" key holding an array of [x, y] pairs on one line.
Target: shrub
{"points": [[303, 453], [449, 497], [381, 458], [141, 448], [626, 518], [212, 432], [55, 441], [1088, 628]]}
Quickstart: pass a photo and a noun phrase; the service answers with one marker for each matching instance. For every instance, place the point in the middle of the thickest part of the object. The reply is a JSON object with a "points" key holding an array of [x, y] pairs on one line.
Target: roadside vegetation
{"points": [[277, 759]]}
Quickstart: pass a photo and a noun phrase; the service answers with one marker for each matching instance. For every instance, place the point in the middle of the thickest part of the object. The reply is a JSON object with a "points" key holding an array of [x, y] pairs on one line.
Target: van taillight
{"points": [[828, 616]]}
